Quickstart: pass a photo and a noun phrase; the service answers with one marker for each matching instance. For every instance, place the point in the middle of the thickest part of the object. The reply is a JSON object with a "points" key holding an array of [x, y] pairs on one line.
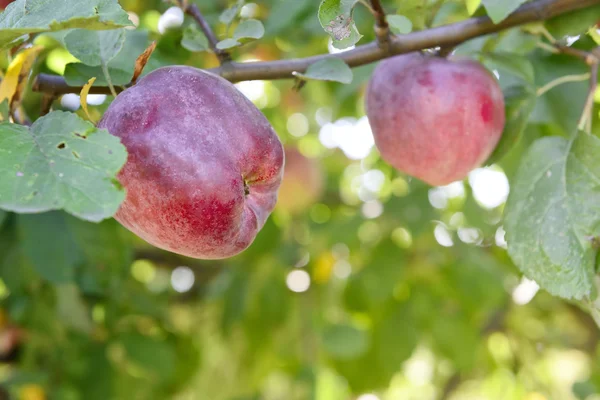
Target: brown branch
{"points": [[195, 13], [586, 56], [443, 36], [382, 29]]}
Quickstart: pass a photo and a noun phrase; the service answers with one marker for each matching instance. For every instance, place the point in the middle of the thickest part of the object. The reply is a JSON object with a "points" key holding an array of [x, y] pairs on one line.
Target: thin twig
{"points": [[561, 48], [443, 36], [559, 81], [582, 54], [47, 100], [586, 118], [195, 13], [382, 29]]}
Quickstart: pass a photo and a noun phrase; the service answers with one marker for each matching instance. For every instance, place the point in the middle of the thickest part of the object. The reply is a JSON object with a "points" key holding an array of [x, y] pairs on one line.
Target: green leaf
{"points": [[563, 104], [194, 40], [235, 303], [553, 213], [573, 23], [472, 6], [227, 44], [286, 13], [330, 69], [95, 47], [399, 24], [4, 110], [345, 342], [511, 63], [519, 102], [32, 16], [107, 251], [47, 243], [96, 379], [497, 10], [456, 339], [335, 17], [249, 29], [71, 308], [78, 74], [120, 68], [231, 13], [396, 331], [155, 356], [3, 215], [60, 162]]}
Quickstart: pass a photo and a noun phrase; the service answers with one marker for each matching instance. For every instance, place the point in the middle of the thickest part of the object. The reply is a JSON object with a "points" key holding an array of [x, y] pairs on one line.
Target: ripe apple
{"points": [[204, 164], [302, 183], [433, 118], [5, 3]]}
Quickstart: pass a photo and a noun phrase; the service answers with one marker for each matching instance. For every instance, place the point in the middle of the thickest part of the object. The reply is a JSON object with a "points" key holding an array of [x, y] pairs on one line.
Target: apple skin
{"points": [[204, 164], [303, 182], [432, 118], [5, 3]]}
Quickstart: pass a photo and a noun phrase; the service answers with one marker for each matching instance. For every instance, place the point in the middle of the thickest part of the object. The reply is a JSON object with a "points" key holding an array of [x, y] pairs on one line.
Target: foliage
{"points": [[414, 292]]}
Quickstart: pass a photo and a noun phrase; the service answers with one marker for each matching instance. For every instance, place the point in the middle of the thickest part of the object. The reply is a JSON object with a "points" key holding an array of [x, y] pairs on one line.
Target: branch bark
{"points": [[382, 29], [443, 36]]}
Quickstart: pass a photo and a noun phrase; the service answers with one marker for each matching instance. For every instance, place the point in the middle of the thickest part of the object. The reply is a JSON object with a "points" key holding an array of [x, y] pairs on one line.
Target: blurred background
{"points": [[364, 284]]}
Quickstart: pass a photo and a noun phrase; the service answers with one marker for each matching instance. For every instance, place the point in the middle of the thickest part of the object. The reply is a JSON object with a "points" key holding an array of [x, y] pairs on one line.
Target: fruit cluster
{"points": [[205, 165]]}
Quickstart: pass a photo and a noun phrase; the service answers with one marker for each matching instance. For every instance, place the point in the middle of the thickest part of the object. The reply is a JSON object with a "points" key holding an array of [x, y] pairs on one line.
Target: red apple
{"points": [[433, 118], [303, 182], [5, 3], [204, 164]]}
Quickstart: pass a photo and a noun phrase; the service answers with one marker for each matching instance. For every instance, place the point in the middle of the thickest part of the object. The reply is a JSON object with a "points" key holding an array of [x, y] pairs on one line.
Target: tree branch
{"points": [[195, 13], [382, 29], [443, 36]]}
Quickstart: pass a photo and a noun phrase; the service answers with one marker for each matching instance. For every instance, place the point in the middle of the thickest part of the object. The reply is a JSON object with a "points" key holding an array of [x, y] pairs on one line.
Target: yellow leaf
{"points": [[141, 61], [323, 268], [15, 80], [595, 35], [32, 392], [85, 90], [472, 6]]}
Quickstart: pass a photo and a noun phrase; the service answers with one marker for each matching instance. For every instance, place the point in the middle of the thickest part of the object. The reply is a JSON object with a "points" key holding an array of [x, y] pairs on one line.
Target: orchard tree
{"points": [[281, 199]]}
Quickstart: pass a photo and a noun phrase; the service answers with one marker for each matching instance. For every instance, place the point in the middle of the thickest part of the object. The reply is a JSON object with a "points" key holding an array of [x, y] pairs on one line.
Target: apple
{"points": [[302, 184], [5, 3], [433, 118], [204, 164]]}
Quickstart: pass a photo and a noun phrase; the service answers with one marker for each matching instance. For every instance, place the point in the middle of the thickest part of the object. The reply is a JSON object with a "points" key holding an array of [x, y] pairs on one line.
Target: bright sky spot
{"points": [[70, 101], [342, 269], [372, 209], [353, 137], [525, 291], [182, 279], [442, 235], [298, 281], [490, 187], [253, 90], [297, 125], [96, 99], [333, 50], [172, 18]]}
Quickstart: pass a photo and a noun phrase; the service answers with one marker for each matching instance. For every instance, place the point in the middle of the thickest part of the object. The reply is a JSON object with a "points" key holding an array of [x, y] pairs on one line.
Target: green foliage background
{"points": [[389, 310]]}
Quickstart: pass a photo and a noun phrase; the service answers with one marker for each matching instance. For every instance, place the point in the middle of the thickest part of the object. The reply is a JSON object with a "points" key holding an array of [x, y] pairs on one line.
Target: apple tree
{"points": [[294, 199]]}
